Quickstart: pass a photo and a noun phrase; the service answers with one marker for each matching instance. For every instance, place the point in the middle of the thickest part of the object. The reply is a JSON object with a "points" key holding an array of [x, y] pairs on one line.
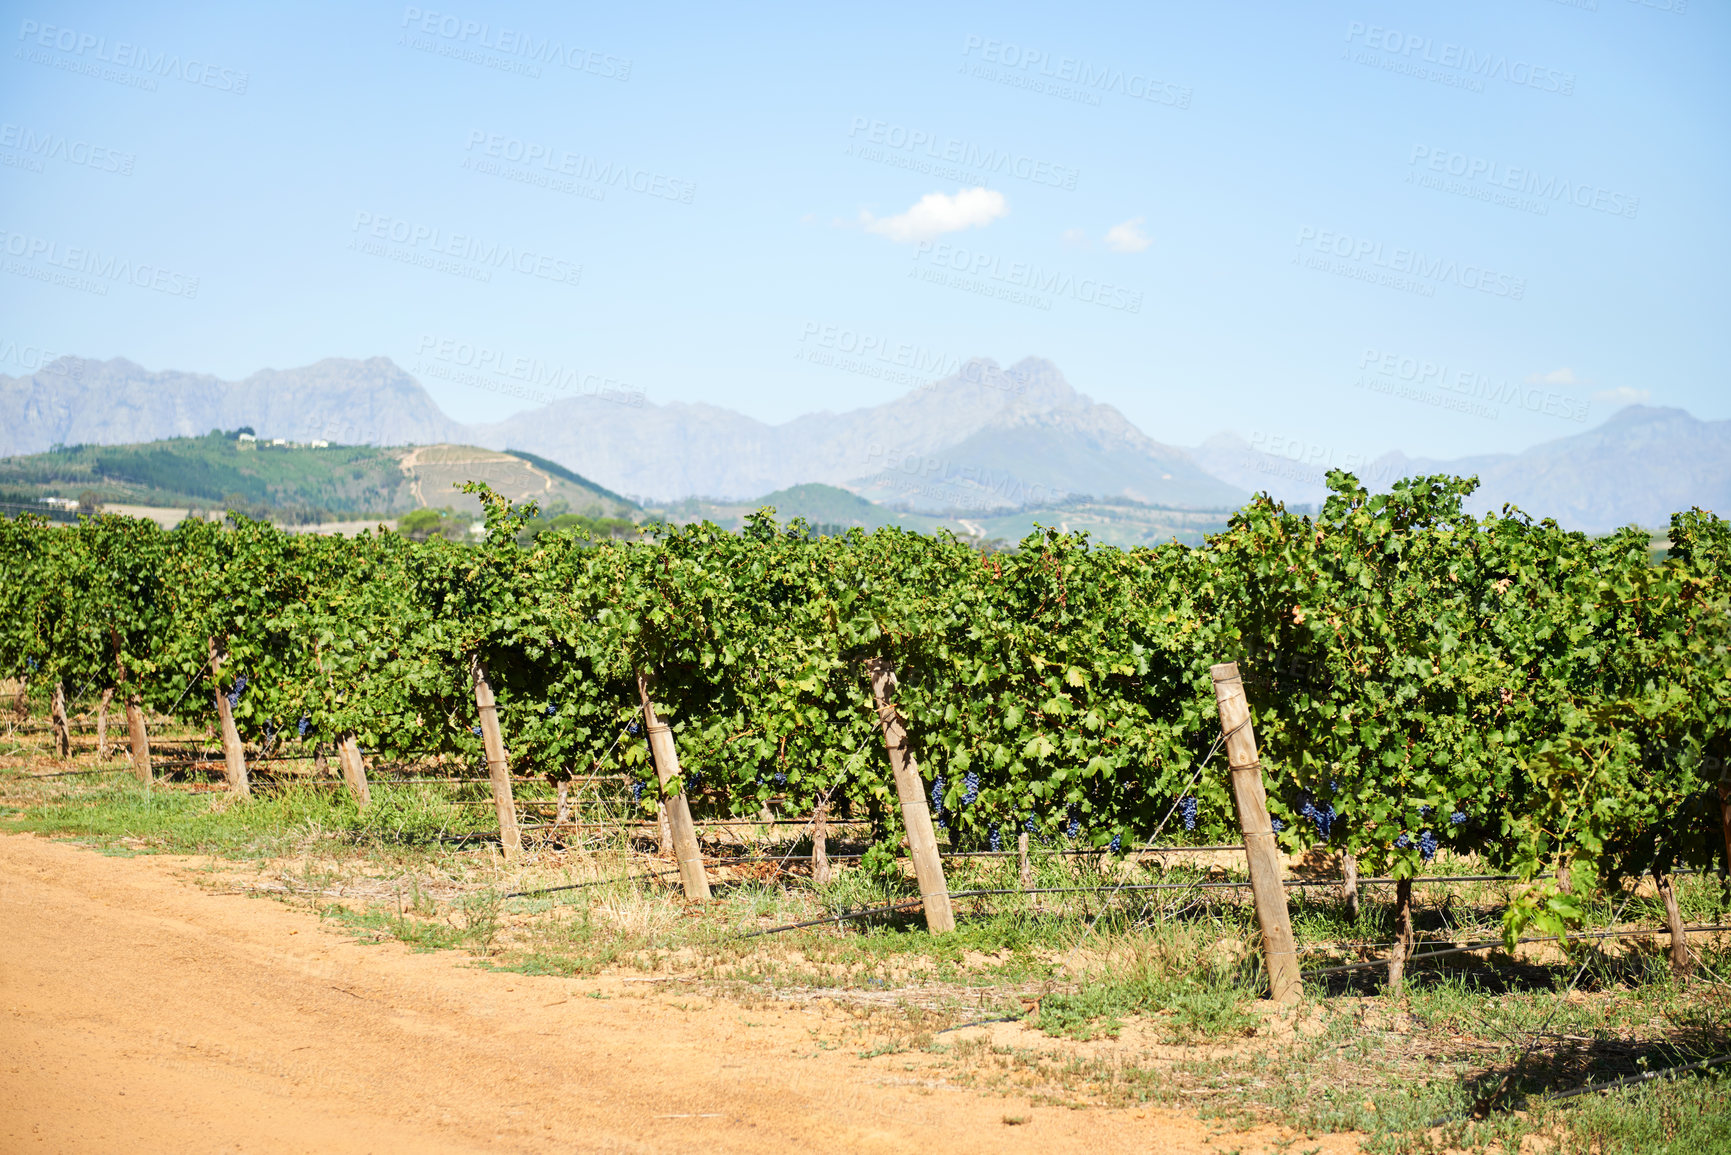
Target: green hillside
{"points": [[294, 483], [826, 508], [220, 471]]}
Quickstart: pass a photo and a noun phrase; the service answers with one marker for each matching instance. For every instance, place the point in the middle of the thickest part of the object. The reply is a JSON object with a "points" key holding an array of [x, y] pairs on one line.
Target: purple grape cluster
{"points": [[1457, 818], [475, 729], [1323, 816], [550, 710], [1030, 825], [1074, 826], [1277, 824], [1187, 811], [1427, 845], [235, 693], [637, 791], [301, 726], [1404, 841], [1117, 841], [971, 786], [997, 842], [938, 796]]}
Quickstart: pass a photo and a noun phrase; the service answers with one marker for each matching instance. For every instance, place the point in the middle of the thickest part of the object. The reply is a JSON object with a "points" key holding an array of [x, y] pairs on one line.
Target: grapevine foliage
{"points": [[1419, 677]]}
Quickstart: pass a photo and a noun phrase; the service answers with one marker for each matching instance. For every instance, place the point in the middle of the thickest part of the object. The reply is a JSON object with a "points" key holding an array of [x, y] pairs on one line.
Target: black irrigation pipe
{"points": [[1493, 944], [1646, 1077], [980, 1023]]}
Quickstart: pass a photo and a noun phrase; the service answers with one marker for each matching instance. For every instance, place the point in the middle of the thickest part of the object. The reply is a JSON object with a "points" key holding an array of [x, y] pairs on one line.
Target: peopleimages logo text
{"points": [[1522, 180], [121, 54], [479, 34], [1410, 263], [971, 157], [1074, 70], [1404, 46], [435, 241], [1022, 276], [80, 262], [580, 166]]}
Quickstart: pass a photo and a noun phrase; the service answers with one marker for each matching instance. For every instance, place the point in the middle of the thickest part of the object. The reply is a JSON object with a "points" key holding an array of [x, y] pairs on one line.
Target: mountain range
{"points": [[980, 444]]}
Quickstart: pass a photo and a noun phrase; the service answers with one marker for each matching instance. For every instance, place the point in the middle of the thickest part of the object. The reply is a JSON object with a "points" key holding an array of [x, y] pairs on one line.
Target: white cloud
{"points": [[1074, 239], [936, 214], [1128, 237], [1555, 377], [1623, 395]]}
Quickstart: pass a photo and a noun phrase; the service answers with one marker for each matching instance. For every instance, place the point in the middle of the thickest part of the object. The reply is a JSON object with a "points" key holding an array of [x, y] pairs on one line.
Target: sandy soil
{"points": [[142, 1012]]}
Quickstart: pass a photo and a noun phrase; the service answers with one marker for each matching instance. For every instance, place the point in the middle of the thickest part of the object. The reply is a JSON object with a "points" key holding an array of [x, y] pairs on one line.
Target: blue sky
{"points": [[1441, 227]]}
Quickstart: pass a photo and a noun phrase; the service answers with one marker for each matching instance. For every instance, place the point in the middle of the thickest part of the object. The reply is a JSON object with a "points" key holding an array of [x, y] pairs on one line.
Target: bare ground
{"points": [[142, 1012]]}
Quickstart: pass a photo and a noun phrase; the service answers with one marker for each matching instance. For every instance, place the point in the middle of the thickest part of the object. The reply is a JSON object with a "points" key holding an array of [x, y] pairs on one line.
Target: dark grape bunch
{"points": [[1323, 816], [1427, 845], [997, 841], [301, 726], [235, 693], [938, 798], [1187, 811], [971, 786], [1457, 818], [1277, 824]]}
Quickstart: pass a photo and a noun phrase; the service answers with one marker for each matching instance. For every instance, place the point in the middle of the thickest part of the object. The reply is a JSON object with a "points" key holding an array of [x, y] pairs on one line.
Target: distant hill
{"points": [[75, 401], [1642, 465], [297, 482], [986, 446], [983, 439]]}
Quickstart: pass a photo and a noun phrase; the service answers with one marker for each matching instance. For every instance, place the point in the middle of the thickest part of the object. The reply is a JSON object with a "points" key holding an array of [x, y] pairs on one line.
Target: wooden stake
{"points": [[1024, 869], [498, 764], [916, 814], [1681, 966], [355, 771], [1285, 983], [563, 814], [820, 842], [674, 806], [1349, 883], [134, 714], [233, 753], [140, 738], [1403, 936], [21, 703], [102, 723], [62, 732]]}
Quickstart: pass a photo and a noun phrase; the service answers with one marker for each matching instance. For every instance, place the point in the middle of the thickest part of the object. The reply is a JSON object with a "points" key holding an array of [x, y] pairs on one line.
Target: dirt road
{"points": [[141, 1012]]}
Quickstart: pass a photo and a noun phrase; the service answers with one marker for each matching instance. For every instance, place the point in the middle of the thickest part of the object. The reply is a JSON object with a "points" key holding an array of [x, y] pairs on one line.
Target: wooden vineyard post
{"points": [[355, 771], [233, 754], [820, 841], [916, 814], [498, 764], [674, 806], [1349, 883], [1680, 964], [62, 732], [135, 732], [1285, 983], [1724, 784], [1024, 869], [102, 723], [139, 737], [1403, 936]]}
